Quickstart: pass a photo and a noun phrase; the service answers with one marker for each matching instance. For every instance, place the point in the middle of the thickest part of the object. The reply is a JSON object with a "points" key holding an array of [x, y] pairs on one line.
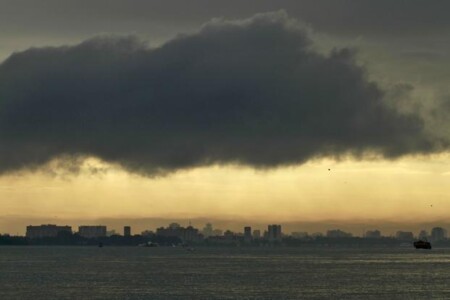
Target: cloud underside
{"points": [[251, 92]]}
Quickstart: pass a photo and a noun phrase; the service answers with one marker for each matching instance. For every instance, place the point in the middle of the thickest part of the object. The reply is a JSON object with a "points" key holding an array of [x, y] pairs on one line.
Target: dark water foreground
{"points": [[228, 273]]}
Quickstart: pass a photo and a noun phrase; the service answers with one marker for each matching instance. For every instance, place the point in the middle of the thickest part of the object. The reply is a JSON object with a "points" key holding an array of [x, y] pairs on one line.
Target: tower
{"points": [[126, 231]]}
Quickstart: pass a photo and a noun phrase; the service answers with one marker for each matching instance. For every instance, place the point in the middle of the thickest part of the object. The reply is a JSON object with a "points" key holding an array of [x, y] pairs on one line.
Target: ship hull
{"points": [[422, 245]]}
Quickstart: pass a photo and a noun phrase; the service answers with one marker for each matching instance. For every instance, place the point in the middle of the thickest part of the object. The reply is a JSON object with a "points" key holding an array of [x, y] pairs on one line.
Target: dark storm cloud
{"points": [[251, 92], [385, 17]]}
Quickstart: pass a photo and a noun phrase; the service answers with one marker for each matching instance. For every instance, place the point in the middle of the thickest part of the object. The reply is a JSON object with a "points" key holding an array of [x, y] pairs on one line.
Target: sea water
{"points": [[222, 273]]}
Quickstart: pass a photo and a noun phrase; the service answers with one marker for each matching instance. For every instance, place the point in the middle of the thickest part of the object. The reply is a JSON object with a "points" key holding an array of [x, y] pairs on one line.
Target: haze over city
{"points": [[310, 114]]}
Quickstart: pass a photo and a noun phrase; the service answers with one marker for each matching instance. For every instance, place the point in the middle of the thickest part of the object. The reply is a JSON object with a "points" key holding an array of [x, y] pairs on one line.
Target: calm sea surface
{"points": [[258, 273]]}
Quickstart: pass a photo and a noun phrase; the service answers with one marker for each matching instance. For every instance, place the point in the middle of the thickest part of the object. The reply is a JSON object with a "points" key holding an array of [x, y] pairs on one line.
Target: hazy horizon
{"points": [[16, 225]]}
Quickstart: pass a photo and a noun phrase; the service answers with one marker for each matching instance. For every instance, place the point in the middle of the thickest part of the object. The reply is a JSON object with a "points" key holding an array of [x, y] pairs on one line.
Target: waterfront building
{"points": [[274, 233], [126, 231], [43, 231], [188, 234], [438, 234], [247, 234], [89, 231]]}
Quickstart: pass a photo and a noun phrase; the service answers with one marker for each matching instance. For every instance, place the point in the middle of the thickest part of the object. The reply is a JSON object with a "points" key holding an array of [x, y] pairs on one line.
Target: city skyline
{"points": [[118, 227], [272, 234]]}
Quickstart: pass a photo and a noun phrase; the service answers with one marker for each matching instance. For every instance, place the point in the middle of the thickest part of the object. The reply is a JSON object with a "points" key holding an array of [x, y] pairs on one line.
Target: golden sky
{"points": [[410, 189]]}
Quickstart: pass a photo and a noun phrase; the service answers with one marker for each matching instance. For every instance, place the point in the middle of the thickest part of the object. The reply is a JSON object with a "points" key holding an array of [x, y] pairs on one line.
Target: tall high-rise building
{"points": [[247, 234], [274, 233], [90, 232], [438, 233], [126, 231], [42, 231]]}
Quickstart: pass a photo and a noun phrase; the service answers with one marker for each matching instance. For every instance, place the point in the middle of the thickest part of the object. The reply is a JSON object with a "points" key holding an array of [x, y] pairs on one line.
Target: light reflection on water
{"points": [[226, 273]]}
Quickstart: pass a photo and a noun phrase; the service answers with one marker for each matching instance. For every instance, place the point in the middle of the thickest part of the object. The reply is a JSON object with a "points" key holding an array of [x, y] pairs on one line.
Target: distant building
{"points": [[423, 235], [438, 234], [248, 234], [372, 234], [174, 225], [208, 230], [147, 233], [42, 231], [126, 231], [88, 231], [191, 234], [256, 234], [299, 235], [274, 233], [404, 235], [337, 233], [228, 234], [188, 234]]}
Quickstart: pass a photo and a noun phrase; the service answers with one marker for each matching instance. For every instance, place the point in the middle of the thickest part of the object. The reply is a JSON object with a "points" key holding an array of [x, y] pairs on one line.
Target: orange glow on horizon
{"points": [[350, 190]]}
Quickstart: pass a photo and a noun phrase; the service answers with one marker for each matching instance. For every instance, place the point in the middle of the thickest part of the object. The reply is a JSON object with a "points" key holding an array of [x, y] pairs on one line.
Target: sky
{"points": [[306, 113]]}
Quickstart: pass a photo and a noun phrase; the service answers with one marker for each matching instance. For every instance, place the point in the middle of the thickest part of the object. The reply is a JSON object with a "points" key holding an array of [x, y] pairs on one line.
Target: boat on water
{"points": [[422, 245]]}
